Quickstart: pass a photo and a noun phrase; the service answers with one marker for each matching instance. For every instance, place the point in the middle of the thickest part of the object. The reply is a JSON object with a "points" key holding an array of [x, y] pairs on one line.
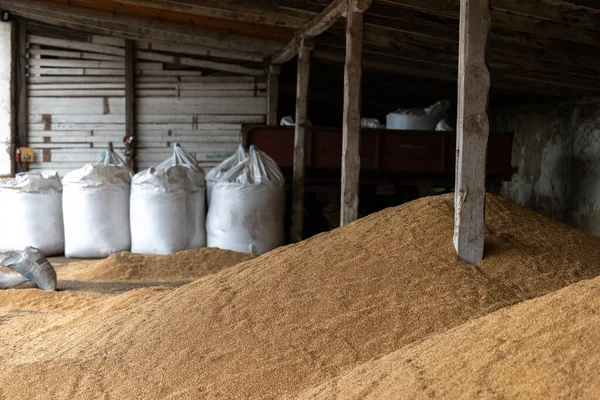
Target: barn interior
{"points": [[417, 157]]}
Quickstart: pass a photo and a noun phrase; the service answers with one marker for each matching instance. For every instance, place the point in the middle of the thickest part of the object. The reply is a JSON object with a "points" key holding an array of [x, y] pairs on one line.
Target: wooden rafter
{"points": [[257, 11], [314, 27], [408, 68], [133, 28], [180, 19], [576, 77], [543, 20]]}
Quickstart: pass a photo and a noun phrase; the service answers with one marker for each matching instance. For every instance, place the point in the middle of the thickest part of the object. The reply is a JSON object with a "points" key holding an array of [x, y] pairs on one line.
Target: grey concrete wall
{"points": [[557, 153]]}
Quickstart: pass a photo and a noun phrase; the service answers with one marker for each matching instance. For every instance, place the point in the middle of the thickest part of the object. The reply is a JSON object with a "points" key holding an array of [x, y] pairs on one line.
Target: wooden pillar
{"points": [[304, 48], [472, 129], [15, 53], [21, 90], [273, 93], [130, 114], [351, 117]]}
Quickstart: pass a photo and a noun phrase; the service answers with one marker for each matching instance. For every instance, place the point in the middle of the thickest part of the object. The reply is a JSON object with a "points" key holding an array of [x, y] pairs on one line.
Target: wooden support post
{"points": [[14, 94], [473, 129], [273, 93], [351, 117], [304, 49], [21, 90], [130, 137]]}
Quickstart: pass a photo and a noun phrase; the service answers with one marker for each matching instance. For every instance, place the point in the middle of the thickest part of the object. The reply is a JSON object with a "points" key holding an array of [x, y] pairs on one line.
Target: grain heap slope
{"points": [[543, 348], [184, 265], [302, 314]]}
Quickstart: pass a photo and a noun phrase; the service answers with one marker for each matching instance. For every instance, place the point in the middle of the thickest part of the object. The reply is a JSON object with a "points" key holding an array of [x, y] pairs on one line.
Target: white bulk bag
{"points": [[217, 172], [168, 206], [31, 213], [418, 118], [247, 207], [96, 208]]}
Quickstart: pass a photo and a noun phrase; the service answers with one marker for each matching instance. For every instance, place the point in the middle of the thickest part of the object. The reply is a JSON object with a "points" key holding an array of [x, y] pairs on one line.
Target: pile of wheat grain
{"points": [[301, 315]]}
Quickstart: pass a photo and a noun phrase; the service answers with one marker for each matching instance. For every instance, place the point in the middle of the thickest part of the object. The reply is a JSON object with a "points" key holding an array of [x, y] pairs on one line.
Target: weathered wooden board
{"points": [[302, 80], [48, 62], [53, 125], [200, 51], [73, 54], [75, 45], [273, 93], [472, 130], [107, 40], [75, 79], [351, 118], [77, 93], [41, 71]]}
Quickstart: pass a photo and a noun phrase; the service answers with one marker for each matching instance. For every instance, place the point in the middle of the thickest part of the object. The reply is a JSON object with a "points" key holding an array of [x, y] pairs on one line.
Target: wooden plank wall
{"points": [[77, 103], [76, 100], [202, 112]]}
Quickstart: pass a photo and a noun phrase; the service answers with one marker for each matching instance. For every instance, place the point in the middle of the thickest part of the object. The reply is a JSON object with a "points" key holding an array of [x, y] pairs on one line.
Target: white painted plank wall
{"points": [[204, 114], [77, 105], [76, 101]]}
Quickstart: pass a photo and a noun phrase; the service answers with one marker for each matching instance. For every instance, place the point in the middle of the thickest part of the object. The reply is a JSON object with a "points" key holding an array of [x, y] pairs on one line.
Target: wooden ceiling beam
{"points": [[499, 59], [564, 12], [132, 28], [436, 35], [256, 12], [552, 22], [555, 81], [410, 45], [319, 24], [411, 69], [591, 5], [172, 18]]}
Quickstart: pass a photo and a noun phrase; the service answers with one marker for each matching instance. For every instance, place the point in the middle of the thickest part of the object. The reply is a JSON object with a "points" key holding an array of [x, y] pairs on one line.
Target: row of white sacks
{"points": [[100, 209]]}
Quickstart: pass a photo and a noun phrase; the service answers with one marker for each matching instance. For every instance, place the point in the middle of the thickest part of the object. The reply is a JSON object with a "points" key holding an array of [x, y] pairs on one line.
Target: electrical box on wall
{"points": [[25, 154]]}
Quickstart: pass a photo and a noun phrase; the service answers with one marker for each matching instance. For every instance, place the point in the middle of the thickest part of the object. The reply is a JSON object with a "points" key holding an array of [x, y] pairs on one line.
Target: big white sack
{"points": [[247, 207], [168, 211], [418, 118], [96, 208], [31, 213], [220, 170]]}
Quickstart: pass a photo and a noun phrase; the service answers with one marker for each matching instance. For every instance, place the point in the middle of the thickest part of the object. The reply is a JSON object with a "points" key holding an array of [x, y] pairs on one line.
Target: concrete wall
{"points": [[557, 153], [5, 98]]}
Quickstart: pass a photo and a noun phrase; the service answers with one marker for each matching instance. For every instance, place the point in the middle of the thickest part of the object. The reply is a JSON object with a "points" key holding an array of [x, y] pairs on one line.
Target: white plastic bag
{"points": [[96, 208], [289, 121], [372, 123], [220, 170], [443, 126], [31, 212], [168, 206], [418, 118], [247, 207], [31, 265]]}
